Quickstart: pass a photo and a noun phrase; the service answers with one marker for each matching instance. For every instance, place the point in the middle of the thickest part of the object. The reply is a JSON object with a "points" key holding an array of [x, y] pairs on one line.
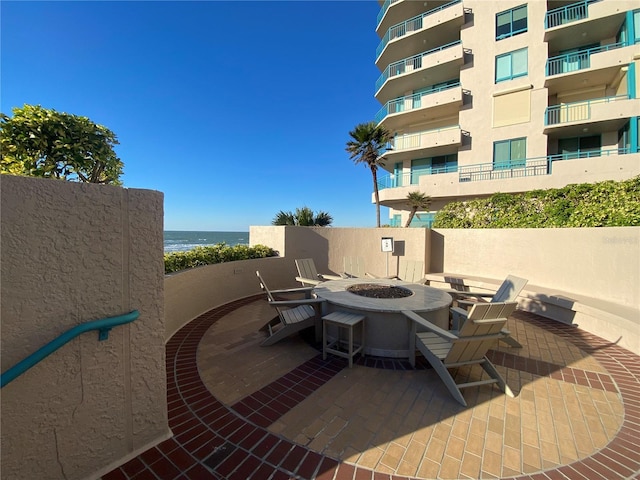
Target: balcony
{"points": [[589, 68], [423, 144], [528, 167], [444, 101], [411, 178], [426, 30], [595, 115], [393, 12], [428, 68], [584, 22]]}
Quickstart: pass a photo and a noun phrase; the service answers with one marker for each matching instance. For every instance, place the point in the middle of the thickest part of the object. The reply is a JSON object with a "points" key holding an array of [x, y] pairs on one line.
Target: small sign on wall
{"points": [[387, 244]]}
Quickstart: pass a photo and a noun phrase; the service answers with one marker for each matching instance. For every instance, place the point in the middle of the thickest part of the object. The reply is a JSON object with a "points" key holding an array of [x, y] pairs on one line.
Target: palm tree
{"points": [[367, 141], [417, 201], [303, 217]]}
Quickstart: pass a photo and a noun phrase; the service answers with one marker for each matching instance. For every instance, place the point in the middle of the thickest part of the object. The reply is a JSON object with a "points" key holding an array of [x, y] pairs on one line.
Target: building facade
{"points": [[509, 96]]}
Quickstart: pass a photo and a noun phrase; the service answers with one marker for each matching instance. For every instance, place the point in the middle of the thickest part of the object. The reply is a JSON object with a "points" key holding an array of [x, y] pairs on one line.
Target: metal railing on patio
{"points": [[567, 14], [409, 64], [409, 102], [575, 111], [572, 62], [413, 24]]}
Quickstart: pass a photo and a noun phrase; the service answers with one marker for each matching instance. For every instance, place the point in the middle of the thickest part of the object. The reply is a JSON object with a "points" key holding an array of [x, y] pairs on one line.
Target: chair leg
{"points": [[493, 373], [512, 342], [444, 374]]}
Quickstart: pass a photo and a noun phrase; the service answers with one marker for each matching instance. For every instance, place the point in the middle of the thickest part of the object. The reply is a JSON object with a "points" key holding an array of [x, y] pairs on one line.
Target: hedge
{"points": [[602, 204], [219, 253]]}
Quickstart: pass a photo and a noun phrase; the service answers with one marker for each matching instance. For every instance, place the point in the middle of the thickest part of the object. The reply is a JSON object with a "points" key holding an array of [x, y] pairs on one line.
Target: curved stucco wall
{"points": [[73, 253], [190, 293]]}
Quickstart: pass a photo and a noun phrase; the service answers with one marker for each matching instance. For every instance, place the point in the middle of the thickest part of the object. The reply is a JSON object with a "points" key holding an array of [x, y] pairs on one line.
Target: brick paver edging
{"points": [[213, 441]]}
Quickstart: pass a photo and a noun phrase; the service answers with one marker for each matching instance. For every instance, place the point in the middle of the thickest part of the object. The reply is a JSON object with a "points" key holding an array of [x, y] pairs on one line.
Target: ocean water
{"points": [[180, 241]]}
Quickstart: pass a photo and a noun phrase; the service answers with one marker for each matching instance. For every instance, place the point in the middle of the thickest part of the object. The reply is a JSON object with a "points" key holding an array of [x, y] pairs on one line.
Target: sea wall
{"points": [[72, 253]]}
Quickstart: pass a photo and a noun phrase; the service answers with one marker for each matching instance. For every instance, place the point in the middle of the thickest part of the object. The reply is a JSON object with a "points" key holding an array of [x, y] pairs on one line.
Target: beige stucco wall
{"points": [[192, 292], [329, 246], [73, 253], [602, 263]]}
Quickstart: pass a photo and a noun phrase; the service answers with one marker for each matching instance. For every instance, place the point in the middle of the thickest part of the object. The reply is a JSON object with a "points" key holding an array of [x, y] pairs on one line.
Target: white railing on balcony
{"points": [[567, 14], [409, 102], [383, 10], [575, 111], [409, 64], [415, 140], [409, 26], [571, 62]]}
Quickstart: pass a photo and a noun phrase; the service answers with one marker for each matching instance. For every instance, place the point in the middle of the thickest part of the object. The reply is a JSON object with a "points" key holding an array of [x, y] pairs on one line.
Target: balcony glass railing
{"points": [[572, 62], [567, 14], [409, 102], [408, 26], [409, 64], [576, 111], [383, 10]]}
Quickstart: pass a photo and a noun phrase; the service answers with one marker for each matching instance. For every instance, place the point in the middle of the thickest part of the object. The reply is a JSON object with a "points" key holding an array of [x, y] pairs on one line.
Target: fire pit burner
{"points": [[375, 290]]}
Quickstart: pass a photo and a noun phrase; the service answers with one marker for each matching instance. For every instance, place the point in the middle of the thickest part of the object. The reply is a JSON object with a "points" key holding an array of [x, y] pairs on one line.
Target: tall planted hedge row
{"points": [[603, 204], [220, 253]]}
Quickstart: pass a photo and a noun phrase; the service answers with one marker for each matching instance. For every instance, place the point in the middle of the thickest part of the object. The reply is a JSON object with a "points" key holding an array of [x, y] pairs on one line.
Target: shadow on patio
{"points": [[243, 411]]}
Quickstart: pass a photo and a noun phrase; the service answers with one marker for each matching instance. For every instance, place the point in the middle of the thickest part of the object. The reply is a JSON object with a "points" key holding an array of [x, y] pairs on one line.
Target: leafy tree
{"points": [[42, 142], [367, 141], [417, 201], [303, 217]]}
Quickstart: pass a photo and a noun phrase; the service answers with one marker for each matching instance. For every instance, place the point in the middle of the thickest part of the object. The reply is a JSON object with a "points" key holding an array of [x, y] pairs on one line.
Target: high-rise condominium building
{"points": [[505, 96]]}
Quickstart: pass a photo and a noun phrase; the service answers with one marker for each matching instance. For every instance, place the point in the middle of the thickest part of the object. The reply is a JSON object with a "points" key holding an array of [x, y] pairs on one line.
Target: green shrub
{"points": [[220, 253], [603, 204]]}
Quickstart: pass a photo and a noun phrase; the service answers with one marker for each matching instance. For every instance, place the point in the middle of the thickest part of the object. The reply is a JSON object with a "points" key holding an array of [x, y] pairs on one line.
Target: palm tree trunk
{"points": [[374, 174], [411, 215]]}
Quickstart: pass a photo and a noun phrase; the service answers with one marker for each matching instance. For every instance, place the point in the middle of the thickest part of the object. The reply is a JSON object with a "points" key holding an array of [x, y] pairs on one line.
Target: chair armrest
{"points": [[330, 277], [371, 275], [475, 294], [429, 326], [459, 311], [294, 290], [308, 280], [306, 301]]}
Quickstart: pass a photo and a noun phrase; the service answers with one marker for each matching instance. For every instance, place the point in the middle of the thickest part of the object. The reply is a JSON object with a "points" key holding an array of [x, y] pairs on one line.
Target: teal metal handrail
{"points": [[104, 325]]}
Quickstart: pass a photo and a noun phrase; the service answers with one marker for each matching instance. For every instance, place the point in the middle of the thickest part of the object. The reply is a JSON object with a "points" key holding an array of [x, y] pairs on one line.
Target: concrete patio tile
{"points": [[375, 423]]}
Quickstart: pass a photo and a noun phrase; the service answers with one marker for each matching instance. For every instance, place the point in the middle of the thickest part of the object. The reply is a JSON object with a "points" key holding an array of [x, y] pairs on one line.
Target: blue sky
{"points": [[235, 110]]}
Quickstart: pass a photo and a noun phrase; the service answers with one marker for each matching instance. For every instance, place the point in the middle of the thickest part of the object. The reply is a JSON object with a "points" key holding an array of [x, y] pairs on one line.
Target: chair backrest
{"points": [[410, 270], [306, 268], [480, 331], [354, 266], [510, 289], [264, 287]]}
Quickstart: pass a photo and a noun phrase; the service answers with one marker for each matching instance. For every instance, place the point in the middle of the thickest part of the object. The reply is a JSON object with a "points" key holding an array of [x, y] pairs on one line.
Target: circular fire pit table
{"points": [[387, 329]]}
